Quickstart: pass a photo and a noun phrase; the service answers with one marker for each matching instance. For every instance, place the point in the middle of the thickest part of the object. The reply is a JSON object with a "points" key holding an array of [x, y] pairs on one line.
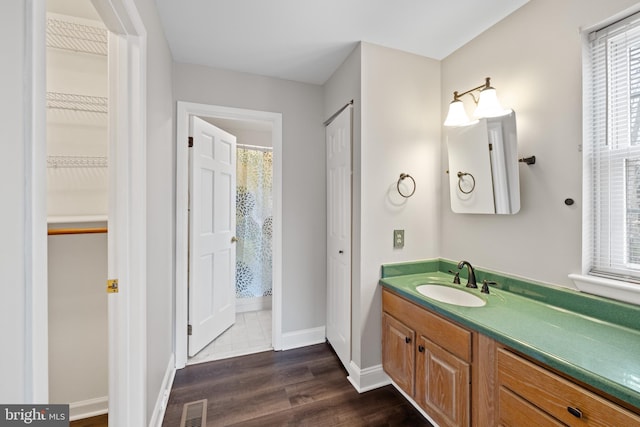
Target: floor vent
{"points": [[194, 414]]}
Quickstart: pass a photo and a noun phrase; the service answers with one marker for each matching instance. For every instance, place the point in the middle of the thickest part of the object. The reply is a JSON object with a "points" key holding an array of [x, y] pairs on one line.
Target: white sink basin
{"points": [[450, 295]]}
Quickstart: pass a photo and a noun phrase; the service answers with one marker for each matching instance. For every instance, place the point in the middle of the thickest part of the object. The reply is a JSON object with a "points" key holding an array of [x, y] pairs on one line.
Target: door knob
{"points": [[234, 239]]}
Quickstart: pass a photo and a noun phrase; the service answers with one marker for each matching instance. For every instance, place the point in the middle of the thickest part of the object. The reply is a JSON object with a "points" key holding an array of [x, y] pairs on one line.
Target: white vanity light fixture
{"points": [[457, 115], [487, 105]]}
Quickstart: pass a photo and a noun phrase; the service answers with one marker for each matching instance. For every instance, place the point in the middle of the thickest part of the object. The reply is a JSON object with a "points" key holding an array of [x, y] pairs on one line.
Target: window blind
{"points": [[612, 151]]}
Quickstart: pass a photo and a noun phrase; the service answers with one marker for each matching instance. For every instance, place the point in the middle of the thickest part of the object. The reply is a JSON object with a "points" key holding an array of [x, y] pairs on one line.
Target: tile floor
{"points": [[250, 334]]}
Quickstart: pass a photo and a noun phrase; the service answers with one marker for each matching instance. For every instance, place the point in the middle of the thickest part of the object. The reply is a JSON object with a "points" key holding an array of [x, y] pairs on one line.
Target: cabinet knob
{"points": [[421, 348], [575, 412], [407, 340]]}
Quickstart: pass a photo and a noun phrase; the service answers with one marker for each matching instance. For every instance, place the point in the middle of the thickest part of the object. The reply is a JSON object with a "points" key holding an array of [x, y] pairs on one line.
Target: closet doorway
{"points": [[257, 232], [126, 216], [77, 206]]}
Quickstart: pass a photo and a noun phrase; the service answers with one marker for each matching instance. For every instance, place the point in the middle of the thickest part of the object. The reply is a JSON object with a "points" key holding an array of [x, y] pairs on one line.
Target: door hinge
{"points": [[112, 286], [490, 147], [189, 330], [190, 141]]}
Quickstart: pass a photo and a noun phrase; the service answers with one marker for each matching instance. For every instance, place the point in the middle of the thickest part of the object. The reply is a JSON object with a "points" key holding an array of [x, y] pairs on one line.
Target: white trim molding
{"points": [[127, 238], [35, 190], [368, 378], [608, 288], [184, 111], [88, 408], [163, 396], [303, 338]]}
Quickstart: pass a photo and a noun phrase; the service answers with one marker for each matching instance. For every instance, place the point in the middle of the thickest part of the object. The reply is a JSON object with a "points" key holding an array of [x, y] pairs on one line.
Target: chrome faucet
{"points": [[471, 276]]}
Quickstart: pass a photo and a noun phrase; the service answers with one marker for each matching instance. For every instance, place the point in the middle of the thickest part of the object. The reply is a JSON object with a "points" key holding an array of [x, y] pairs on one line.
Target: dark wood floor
{"points": [[301, 387], [98, 421]]}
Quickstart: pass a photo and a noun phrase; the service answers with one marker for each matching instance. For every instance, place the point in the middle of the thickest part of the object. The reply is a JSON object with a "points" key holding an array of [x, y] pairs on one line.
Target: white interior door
{"points": [[338, 140], [212, 225]]}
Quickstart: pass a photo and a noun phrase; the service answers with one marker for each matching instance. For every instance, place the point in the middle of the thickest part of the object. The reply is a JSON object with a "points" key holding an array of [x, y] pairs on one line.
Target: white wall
{"points": [[534, 60], [396, 130], [160, 202], [303, 192], [12, 216], [400, 134], [78, 317]]}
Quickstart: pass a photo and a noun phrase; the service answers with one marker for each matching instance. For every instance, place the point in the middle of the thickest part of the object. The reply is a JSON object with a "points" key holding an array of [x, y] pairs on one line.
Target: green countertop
{"points": [[592, 339]]}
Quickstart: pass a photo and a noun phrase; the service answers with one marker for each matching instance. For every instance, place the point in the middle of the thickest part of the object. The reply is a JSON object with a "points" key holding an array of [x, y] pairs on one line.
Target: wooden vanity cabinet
{"points": [[463, 378], [530, 394], [429, 357]]}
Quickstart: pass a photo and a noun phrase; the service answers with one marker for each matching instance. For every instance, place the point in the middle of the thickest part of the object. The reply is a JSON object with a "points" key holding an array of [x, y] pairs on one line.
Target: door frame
{"points": [[184, 111], [127, 237], [127, 210]]}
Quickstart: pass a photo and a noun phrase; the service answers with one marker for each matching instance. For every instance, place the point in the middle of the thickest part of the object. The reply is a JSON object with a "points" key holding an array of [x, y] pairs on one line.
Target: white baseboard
{"points": [[303, 338], [163, 395], [368, 378], [88, 408], [253, 304]]}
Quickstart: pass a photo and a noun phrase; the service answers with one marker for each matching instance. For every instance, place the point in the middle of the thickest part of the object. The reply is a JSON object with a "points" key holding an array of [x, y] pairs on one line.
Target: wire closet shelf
{"points": [[77, 162], [76, 37], [73, 102]]}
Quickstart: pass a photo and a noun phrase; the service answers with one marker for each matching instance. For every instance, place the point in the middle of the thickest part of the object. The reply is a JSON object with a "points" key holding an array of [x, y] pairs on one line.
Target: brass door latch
{"points": [[112, 286]]}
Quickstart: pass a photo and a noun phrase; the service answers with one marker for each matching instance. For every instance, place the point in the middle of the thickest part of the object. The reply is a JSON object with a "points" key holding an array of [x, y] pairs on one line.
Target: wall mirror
{"points": [[483, 166]]}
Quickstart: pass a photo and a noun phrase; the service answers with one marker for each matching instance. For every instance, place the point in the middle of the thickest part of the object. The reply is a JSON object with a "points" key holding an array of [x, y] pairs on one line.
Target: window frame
{"points": [[613, 284]]}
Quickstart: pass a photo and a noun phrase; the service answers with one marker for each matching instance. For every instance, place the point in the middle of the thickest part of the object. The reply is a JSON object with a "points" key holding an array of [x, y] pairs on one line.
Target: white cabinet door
{"points": [[212, 227], [338, 140]]}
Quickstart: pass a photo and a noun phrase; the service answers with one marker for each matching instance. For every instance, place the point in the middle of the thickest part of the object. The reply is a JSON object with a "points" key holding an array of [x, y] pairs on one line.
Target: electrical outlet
{"points": [[398, 238]]}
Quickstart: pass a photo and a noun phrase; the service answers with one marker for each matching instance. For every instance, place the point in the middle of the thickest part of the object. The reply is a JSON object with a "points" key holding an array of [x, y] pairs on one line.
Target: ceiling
{"points": [[80, 9], [307, 40]]}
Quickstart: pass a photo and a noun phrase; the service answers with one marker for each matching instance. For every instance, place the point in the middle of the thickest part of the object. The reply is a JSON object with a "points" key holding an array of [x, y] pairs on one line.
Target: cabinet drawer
{"points": [[557, 396], [515, 411], [454, 338]]}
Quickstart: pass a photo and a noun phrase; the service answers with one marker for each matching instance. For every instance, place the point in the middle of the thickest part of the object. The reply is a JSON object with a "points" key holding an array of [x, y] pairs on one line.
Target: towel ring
{"points": [[461, 175], [402, 177]]}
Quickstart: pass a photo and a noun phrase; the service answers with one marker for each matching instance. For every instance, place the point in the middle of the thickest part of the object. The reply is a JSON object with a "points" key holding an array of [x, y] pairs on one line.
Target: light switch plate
{"points": [[398, 238]]}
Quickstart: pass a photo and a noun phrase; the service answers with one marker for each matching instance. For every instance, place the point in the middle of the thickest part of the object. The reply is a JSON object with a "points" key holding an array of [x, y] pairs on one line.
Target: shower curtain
{"points": [[254, 207]]}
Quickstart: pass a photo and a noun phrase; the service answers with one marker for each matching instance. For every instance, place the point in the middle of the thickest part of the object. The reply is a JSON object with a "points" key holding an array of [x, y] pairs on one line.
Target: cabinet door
{"points": [[443, 385], [398, 355]]}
